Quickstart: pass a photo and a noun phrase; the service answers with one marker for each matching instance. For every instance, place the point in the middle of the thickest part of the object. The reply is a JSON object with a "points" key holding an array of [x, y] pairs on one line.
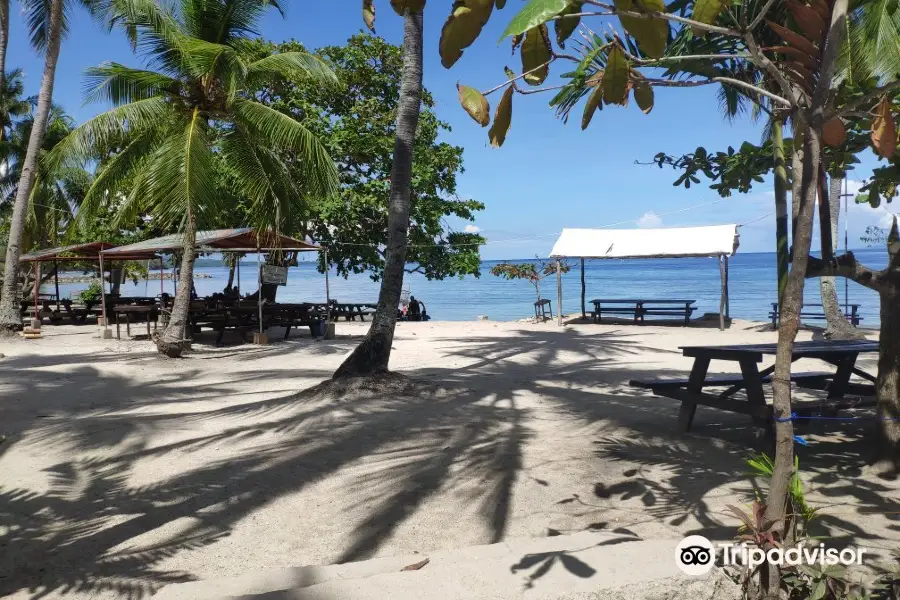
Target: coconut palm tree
{"points": [[172, 121], [12, 104], [47, 23], [4, 38], [373, 353]]}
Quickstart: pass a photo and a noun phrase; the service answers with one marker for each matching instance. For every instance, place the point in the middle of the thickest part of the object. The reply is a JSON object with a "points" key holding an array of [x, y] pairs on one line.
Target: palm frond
{"points": [[37, 18], [118, 84], [293, 66], [283, 132]]}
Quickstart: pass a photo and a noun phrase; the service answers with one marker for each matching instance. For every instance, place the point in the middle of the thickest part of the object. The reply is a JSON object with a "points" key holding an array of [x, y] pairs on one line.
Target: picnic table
{"points": [[840, 354], [148, 312], [851, 312], [640, 307], [350, 310]]}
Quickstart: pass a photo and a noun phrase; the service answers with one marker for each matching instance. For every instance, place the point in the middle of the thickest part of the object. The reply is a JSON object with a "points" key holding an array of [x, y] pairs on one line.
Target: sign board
{"points": [[274, 275]]}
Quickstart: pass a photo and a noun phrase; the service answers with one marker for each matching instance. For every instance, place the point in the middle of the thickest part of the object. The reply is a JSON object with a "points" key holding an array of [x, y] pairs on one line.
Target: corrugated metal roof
{"points": [[74, 252], [218, 239]]}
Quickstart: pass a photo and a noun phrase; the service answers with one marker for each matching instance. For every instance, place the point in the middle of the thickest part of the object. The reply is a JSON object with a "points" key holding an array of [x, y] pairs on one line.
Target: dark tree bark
{"points": [[887, 387], [173, 340], [4, 41], [231, 269], [10, 317], [839, 328], [782, 243], [374, 352]]}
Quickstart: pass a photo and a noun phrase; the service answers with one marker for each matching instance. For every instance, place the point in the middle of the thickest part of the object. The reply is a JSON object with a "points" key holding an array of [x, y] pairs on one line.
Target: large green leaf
{"points": [[707, 11], [475, 104], [566, 27], [643, 95], [615, 77], [536, 52], [650, 34], [535, 13], [502, 119], [463, 26], [593, 104]]}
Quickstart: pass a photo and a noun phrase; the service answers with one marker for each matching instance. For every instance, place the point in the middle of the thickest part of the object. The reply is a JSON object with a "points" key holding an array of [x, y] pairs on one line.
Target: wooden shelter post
{"points": [[558, 293], [259, 298], [583, 314], [37, 281], [724, 293], [327, 290], [727, 292], [103, 297], [56, 281]]}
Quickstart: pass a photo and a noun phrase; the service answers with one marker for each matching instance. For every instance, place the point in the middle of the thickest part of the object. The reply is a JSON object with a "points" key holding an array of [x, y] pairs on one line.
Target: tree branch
{"points": [[724, 80], [843, 266], [866, 98], [509, 81], [650, 14], [761, 15], [829, 56], [763, 61]]}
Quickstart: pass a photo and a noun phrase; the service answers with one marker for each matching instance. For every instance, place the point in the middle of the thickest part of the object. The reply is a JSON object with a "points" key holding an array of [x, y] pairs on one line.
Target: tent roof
{"points": [[87, 251], [647, 243], [244, 238]]}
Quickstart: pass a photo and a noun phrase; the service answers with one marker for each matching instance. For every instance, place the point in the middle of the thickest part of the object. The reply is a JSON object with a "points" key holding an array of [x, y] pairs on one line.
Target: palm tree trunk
{"points": [[782, 243], [4, 42], [232, 267], [839, 328], [172, 342], [374, 352], [10, 319]]}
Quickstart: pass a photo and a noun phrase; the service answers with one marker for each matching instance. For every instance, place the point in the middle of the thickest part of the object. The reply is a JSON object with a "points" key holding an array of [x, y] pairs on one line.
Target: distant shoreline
{"points": [[151, 277]]}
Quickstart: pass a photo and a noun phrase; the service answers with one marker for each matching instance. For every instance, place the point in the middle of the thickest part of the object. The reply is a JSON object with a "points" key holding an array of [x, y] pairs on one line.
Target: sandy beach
{"points": [[123, 471]]}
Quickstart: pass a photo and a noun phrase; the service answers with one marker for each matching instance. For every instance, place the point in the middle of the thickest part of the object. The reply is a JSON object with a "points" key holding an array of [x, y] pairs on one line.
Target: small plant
{"points": [[93, 292], [534, 272]]}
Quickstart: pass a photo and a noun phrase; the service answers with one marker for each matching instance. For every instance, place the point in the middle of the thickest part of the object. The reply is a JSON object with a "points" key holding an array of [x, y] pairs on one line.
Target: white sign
{"points": [[274, 275]]}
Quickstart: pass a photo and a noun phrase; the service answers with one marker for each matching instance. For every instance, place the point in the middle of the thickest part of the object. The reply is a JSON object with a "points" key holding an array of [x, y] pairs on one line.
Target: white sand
{"points": [[123, 471]]}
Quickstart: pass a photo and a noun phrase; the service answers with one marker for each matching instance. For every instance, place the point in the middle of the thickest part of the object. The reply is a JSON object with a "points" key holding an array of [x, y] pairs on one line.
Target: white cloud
{"points": [[649, 220], [472, 229]]}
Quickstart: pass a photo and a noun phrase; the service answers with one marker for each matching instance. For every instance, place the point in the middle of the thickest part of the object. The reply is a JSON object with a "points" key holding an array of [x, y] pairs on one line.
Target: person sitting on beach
{"points": [[413, 312]]}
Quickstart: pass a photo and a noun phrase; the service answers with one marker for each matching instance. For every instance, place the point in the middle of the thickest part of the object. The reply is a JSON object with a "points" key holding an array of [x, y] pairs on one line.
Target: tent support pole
{"points": [[724, 292], [37, 284], [238, 267], [327, 290], [56, 281], [583, 314], [727, 292], [103, 297], [558, 293], [259, 298]]}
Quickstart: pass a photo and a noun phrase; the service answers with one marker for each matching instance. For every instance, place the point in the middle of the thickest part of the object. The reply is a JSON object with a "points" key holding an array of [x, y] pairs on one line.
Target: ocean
{"points": [[752, 287]]}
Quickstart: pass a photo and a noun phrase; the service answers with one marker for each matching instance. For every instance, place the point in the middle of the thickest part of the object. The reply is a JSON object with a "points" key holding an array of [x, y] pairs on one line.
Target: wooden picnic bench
{"points": [[351, 310], [690, 392], [641, 307], [148, 312], [851, 312]]}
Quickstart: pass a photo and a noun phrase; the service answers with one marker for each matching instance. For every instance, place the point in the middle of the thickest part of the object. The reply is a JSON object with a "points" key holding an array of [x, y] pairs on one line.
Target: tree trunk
{"points": [[4, 42], [374, 352], [791, 302], [10, 319], [173, 341], [888, 382], [231, 269], [839, 328], [782, 243]]}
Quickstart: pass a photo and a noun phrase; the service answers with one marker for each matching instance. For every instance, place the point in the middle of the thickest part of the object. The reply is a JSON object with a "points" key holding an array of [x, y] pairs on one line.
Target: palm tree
{"points": [[47, 29], [12, 105], [173, 121], [4, 39], [374, 352]]}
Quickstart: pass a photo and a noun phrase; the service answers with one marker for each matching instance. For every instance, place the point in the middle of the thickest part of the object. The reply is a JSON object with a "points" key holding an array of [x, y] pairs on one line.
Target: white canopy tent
{"points": [[720, 241]]}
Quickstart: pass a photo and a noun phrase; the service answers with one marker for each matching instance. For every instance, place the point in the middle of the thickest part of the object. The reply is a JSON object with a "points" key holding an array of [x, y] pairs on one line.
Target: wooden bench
{"points": [[150, 313], [351, 310], [852, 309], [640, 308]]}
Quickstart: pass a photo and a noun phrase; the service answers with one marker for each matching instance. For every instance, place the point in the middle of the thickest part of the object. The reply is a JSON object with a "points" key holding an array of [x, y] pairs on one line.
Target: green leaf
{"points": [[707, 11], [535, 13], [502, 119], [643, 95], [535, 52], [566, 27], [475, 104], [615, 78], [819, 590], [593, 104], [651, 34]]}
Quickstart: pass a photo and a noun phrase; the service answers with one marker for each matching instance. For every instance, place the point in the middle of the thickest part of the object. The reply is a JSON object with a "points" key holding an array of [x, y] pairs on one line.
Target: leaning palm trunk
{"points": [[173, 340], [839, 328], [781, 212], [374, 352], [10, 319], [4, 41]]}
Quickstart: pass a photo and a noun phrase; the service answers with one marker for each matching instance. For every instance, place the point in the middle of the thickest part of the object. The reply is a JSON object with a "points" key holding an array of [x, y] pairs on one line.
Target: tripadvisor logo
{"points": [[696, 555]]}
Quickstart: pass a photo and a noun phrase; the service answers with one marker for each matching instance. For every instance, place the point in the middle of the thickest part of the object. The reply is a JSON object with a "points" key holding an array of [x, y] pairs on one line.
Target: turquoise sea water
{"points": [[752, 286]]}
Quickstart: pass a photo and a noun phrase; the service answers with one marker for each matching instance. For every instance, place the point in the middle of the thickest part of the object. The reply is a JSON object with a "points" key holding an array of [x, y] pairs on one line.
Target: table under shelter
{"points": [[88, 252], [240, 241], [716, 241]]}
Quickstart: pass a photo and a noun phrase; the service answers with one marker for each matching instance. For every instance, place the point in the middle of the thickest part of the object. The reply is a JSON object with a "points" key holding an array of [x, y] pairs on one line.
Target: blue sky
{"points": [[548, 175]]}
